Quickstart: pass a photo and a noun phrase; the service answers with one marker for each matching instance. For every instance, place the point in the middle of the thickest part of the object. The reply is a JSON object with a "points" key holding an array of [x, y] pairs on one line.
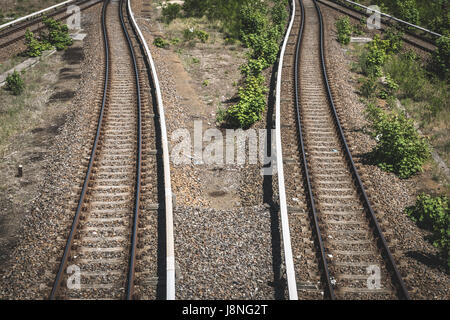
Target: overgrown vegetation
{"points": [[433, 213], [441, 58], [56, 36], [171, 11], [344, 29], [259, 26], [390, 74], [15, 83], [35, 47], [433, 15], [160, 42], [400, 149]]}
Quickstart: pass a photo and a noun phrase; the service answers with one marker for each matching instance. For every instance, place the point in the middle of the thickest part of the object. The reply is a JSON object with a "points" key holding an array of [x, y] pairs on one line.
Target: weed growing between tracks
{"points": [[259, 26]]}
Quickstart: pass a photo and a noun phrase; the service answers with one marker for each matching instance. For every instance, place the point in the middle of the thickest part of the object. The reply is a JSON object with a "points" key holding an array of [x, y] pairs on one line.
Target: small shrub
{"points": [[175, 41], [407, 10], [441, 57], [195, 60], [394, 37], [251, 103], [34, 46], [389, 87], [376, 56], [400, 149], [253, 21], [433, 213], [344, 29], [195, 8], [201, 35], [58, 34], [253, 67], [171, 12], [369, 86], [160, 42], [205, 83], [188, 34], [15, 83], [221, 115]]}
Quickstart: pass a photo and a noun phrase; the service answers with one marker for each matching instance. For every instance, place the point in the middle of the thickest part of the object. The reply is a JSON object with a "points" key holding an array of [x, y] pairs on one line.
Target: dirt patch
{"points": [[40, 121]]}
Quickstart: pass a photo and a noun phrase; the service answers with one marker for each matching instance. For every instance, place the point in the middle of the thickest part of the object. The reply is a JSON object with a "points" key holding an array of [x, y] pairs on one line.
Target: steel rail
{"points": [[289, 261], [404, 38], [130, 279], [21, 27], [170, 249], [34, 19], [401, 288], [35, 14], [394, 18], [76, 219], [329, 286]]}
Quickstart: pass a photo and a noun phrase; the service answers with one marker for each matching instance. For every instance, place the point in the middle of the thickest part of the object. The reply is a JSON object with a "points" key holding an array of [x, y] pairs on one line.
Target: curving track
{"points": [[115, 238], [337, 244]]}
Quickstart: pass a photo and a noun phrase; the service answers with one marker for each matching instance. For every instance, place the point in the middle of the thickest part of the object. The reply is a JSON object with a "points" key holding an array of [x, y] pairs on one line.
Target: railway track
{"points": [[117, 235], [416, 40], [15, 33], [338, 249]]}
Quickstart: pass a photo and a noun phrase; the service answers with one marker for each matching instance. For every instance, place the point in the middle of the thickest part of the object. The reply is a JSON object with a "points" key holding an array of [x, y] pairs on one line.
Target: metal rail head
{"points": [[326, 272], [170, 252], [398, 281], [131, 267], [289, 261], [76, 219]]}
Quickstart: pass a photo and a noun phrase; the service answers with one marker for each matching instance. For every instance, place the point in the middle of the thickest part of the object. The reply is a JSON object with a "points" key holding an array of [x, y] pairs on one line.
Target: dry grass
{"points": [[18, 8], [17, 112]]}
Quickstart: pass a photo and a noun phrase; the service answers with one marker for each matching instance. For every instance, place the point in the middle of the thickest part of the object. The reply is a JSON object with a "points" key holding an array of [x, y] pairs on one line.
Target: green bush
{"points": [[201, 35], [344, 29], [15, 83], [399, 148], [253, 67], [58, 34], [369, 86], [279, 14], [433, 213], [376, 55], [394, 38], [195, 8], [252, 102], [441, 57], [188, 34], [253, 21], [389, 87], [34, 46], [160, 42], [407, 10], [171, 12], [262, 46]]}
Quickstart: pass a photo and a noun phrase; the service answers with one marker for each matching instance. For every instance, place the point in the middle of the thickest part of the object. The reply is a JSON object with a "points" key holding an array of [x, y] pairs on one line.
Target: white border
{"points": [[290, 273], [170, 252]]}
